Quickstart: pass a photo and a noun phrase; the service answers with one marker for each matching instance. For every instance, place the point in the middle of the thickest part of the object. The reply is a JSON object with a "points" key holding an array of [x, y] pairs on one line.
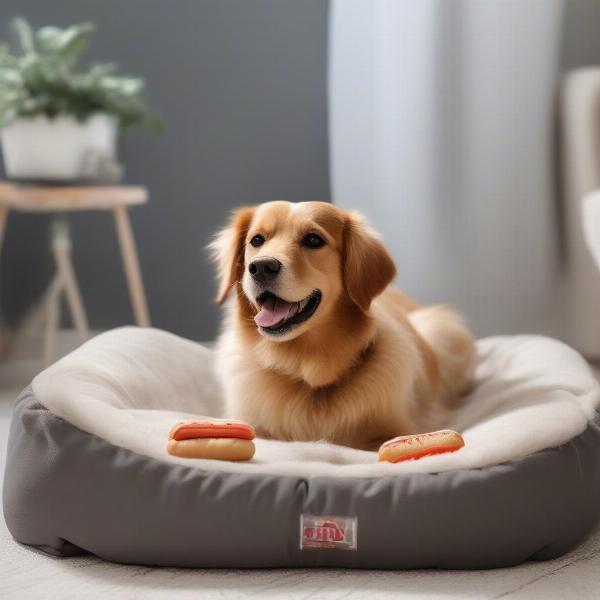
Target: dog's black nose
{"points": [[264, 269]]}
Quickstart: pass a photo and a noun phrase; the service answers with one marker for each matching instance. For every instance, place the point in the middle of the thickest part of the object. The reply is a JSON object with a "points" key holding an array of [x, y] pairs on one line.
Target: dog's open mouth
{"points": [[279, 316]]}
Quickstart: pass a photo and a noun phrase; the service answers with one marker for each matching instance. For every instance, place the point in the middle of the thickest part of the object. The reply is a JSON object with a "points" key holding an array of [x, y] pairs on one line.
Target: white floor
{"points": [[28, 574]]}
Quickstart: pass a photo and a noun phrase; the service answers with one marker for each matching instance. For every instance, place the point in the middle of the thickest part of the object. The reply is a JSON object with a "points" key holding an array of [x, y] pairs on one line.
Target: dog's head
{"points": [[295, 264]]}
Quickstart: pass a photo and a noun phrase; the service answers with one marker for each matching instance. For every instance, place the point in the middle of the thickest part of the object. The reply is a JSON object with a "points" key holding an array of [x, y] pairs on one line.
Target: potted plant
{"points": [[58, 121]]}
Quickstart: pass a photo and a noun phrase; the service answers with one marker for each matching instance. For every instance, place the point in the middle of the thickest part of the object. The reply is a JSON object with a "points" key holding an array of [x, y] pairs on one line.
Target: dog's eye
{"points": [[312, 240], [257, 240]]}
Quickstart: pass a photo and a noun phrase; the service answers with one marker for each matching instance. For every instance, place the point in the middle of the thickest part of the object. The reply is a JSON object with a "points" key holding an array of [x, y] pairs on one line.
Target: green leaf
{"points": [[128, 86], [98, 70], [25, 34], [10, 77], [6, 58], [47, 38], [75, 39]]}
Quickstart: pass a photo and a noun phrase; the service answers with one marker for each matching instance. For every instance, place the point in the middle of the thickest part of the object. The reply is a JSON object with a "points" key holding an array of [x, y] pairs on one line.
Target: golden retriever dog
{"points": [[316, 345]]}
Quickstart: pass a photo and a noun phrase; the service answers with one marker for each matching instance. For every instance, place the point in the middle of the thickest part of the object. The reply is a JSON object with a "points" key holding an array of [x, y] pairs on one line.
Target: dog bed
{"points": [[87, 469]]}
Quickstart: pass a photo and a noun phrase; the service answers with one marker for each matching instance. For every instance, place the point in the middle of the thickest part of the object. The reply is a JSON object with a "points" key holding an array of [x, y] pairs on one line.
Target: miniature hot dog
{"points": [[413, 447], [217, 440]]}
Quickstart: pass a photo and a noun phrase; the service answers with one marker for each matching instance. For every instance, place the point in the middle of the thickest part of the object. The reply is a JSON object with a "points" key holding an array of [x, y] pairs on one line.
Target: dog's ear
{"points": [[368, 267], [227, 250]]}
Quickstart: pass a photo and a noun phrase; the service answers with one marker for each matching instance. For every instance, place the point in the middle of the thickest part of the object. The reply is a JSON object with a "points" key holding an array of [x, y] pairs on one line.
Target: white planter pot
{"points": [[62, 148]]}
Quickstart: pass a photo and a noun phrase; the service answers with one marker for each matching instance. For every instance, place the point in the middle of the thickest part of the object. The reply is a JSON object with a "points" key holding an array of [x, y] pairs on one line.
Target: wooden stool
{"points": [[41, 199]]}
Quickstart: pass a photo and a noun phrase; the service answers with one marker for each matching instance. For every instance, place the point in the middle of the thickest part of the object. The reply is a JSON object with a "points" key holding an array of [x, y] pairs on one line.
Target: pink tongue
{"points": [[275, 310]]}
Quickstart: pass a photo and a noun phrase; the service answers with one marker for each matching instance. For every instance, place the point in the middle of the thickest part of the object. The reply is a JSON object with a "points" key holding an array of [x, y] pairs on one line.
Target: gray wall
{"points": [[581, 38], [241, 89]]}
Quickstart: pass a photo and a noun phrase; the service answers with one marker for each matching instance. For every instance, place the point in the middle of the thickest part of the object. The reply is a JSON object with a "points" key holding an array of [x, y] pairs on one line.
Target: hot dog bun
{"points": [[413, 447], [212, 448], [217, 440]]}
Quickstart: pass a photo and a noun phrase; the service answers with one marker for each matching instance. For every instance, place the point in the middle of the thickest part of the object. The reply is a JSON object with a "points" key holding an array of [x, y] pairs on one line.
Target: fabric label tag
{"points": [[319, 531]]}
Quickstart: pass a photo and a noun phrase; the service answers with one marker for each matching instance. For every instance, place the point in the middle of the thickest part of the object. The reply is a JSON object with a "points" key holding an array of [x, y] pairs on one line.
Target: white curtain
{"points": [[442, 131]]}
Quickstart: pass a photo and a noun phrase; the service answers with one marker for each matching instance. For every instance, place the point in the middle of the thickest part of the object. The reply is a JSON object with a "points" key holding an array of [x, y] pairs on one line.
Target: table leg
{"points": [[61, 247], [3, 219], [52, 319], [131, 266], [4, 336]]}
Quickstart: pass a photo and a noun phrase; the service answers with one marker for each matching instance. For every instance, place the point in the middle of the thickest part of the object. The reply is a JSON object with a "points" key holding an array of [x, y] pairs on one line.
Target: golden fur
{"points": [[368, 365]]}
